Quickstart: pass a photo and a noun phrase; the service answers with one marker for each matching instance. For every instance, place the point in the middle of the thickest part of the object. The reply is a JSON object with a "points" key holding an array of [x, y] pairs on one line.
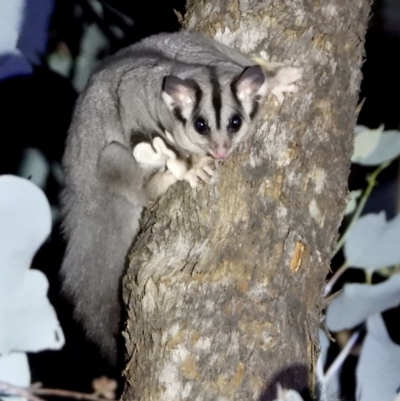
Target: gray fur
{"points": [[106, 188]]}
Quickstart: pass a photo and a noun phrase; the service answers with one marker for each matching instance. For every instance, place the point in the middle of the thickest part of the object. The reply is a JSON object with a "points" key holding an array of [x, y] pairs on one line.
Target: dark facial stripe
{"points": [[254, 108], [234, 93], [216, 97], [178, 115]]}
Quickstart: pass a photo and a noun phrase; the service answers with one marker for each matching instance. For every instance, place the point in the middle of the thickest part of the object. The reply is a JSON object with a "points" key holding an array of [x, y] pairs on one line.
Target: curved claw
{"points": [[210, 171], [203, 175], [201, 170]]}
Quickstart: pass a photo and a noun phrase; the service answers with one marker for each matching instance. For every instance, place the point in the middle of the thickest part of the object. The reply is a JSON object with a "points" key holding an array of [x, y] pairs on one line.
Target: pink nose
{"points": [[221, 155]]}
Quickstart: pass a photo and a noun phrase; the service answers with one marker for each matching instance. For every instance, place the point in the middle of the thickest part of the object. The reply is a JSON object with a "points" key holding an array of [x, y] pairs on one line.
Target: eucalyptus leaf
{"points": [[359, 301], [28, 321], [365, 142], [378, 367], [34, 166], [12, 13], [373, 242], [388, 148], [14, 369], [352, 203]]}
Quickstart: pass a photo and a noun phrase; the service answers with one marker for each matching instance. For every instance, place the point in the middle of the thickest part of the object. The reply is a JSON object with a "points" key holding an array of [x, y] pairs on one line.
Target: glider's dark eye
{"points": [[201, 126], [235, 122]]}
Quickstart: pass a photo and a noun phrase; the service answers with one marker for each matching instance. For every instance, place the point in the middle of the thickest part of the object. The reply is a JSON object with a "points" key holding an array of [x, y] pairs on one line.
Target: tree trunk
{"points": [[224, 286]]}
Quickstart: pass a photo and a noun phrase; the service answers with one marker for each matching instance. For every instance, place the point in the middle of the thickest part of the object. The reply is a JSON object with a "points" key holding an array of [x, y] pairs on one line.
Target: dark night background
{"points": [[37, 103]]}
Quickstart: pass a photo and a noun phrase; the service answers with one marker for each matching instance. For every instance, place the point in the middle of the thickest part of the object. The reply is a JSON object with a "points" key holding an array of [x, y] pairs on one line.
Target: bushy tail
{"points": [[99, 234]]}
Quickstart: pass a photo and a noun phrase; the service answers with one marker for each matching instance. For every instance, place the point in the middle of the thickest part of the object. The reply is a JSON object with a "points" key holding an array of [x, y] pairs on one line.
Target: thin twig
{"points": [[338, 362], [31, 393], [371, 183], [67, 393], [331, 282], [16, 390]]}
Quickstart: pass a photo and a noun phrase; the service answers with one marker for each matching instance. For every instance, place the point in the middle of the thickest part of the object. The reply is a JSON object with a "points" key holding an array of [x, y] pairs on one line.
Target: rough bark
{"points": [[224, 285]]}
